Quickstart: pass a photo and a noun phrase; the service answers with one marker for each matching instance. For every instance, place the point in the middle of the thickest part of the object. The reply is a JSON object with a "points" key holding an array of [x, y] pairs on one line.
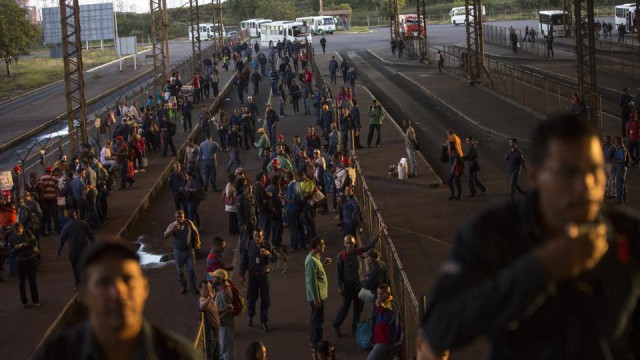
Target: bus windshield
{"points": [[328, 21], [413, 21]]}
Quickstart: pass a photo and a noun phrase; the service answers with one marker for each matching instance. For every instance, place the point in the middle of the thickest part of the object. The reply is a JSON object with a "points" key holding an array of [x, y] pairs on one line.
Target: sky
{"points": [[138, 6]]}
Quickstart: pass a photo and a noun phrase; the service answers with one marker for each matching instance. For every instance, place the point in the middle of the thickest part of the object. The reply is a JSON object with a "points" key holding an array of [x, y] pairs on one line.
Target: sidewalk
{"points": [[25, 327]]}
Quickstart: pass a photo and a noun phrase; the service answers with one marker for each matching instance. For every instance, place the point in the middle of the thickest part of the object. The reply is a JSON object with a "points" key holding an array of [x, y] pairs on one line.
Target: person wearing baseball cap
{"points": [[224, 302]]}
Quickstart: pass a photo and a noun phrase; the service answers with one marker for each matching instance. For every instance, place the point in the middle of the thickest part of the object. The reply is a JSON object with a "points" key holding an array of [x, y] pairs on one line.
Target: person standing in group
{"points": [[207, 156], [352, 75], [293, 208], [25, 248], [175, 183], [387, 326], [456, 164], [229, 198], [211, 315], [348, 278], [186, 240], [263, 204], [623, 103], [549, 40], [79, 236], [323, 43], [317, 288], [256, 351], [215, 260], [271, 123], [411, 146], [350, 213], [473, 166], [609, 152], [193, 190], [376, 116], [215, 79], [224, 301], [400, 47], [516, 163], [621, 162], [168, 131], [333, 70], [247, 215], [633, 134], [255, 260], [187, 107], [234, 144]]}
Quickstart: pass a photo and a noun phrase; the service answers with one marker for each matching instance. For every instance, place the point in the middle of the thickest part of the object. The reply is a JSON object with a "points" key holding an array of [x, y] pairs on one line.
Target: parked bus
{"points": [[208, 31], [319, 25], [271, 33], [626, 15], [253, 26], [410, 25], [552, 19], [459, 14]]}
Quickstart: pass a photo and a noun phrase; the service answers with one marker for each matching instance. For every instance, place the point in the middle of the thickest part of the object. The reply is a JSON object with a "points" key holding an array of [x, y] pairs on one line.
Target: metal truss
{"points": [[73, 77], [567, 6], [586, 59], [217, 33], [475, 42], [423, 42], [394, 21], [157, 44], [196, 49]]}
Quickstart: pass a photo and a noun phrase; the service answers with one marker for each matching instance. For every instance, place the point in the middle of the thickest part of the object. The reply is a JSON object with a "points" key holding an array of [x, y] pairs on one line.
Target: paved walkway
{"points": [[55, 280]]}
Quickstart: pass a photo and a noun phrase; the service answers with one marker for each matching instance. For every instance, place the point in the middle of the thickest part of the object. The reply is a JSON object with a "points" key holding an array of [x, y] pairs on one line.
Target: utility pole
{"points": [[157, 44], [218, 36], [423, 42], [567, 18], [586, 59], [73, 77], [165, 26], [196, 48], [475, 42], [394, 21]]}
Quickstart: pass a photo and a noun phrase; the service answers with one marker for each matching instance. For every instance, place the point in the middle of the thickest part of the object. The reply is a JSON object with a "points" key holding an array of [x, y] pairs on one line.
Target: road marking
{"points": [[421, 235]]}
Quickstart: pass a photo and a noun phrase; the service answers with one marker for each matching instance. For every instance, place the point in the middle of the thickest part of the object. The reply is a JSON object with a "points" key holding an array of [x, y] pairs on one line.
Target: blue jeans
{"points": [[307, 106], [185, 258], [246, 235], [209, 174], [621, 183], [513, 183], [272, 132], [192, 211], [295, 227], [234, 157]]}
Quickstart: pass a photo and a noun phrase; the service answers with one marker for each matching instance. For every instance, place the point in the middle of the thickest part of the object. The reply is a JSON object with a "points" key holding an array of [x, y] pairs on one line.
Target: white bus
{"points": [[253, 26], [625, 14], [552, 19], [208, 31], [459, 14], [319, 24], [271, 33]]}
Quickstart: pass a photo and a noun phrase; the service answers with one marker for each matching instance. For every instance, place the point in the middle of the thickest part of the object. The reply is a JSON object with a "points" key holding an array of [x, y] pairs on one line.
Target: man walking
{"points": [[333, 70], [317, 288], [209, 162], [79, 236], [473, 166], [376, 115], [516, 162], [440, 59], [256, 261], [186, 239], [323, 43]]}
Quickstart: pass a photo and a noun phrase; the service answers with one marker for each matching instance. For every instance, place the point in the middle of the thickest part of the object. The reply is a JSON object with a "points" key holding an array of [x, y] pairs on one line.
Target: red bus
{"points": [[410, 25]]}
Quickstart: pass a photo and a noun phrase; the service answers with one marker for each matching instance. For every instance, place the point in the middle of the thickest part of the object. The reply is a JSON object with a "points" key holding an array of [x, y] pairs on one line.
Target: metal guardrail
{"points": [[373, 221]]}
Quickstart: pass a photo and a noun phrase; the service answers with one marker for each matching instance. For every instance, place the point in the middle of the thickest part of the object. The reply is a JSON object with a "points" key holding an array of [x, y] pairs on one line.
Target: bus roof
{"points": [[283, 22], [627, 6], [551, 12]]}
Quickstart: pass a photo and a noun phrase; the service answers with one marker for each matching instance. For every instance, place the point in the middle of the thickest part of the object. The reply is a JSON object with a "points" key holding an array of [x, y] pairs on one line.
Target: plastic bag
{"points": [[363, 334]]}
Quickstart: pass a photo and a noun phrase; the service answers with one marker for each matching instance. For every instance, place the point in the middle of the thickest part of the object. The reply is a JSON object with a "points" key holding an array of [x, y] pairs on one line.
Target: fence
{"points": [[531, 89], [614, 55], [401, 288]]}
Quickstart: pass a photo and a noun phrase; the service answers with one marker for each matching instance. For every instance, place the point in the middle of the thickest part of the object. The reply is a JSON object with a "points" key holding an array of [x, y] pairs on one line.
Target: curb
{"points": [[428, 166], [393, 63]]}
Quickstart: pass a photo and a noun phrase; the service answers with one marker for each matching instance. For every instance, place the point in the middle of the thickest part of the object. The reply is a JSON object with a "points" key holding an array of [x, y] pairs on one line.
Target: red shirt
{"points": [[196, 82], [633, 130]]}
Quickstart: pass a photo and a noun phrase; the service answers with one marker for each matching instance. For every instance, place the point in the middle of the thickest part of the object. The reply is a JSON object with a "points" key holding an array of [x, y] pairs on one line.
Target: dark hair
{"points": [[374, 254], [385, 287], [232, 177], [564, 127], [514, 140], [275, 180], [203, 282], [217, 241], [315, 242], [105, 250], [253, 348], [259, 176]]}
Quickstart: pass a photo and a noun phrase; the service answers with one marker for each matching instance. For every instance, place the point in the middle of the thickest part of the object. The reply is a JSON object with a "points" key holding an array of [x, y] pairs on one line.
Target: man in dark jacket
{"points": [[262, 204], [176, 182], [247, 216], [79, 236], [472, 159], [516, 163], [567, 287], [348, 277]]}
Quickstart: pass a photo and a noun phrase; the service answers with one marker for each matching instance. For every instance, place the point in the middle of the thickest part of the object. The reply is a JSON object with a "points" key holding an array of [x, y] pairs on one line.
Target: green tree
{"points": [[276, 9], [17, 34]]}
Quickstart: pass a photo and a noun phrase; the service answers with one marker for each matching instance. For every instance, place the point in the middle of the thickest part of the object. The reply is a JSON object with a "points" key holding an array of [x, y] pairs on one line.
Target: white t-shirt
{"points": [[105, 154]]}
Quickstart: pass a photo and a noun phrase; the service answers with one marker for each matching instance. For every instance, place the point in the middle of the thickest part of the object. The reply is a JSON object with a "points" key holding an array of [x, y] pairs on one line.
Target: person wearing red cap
{"points": [[18, 182]]}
